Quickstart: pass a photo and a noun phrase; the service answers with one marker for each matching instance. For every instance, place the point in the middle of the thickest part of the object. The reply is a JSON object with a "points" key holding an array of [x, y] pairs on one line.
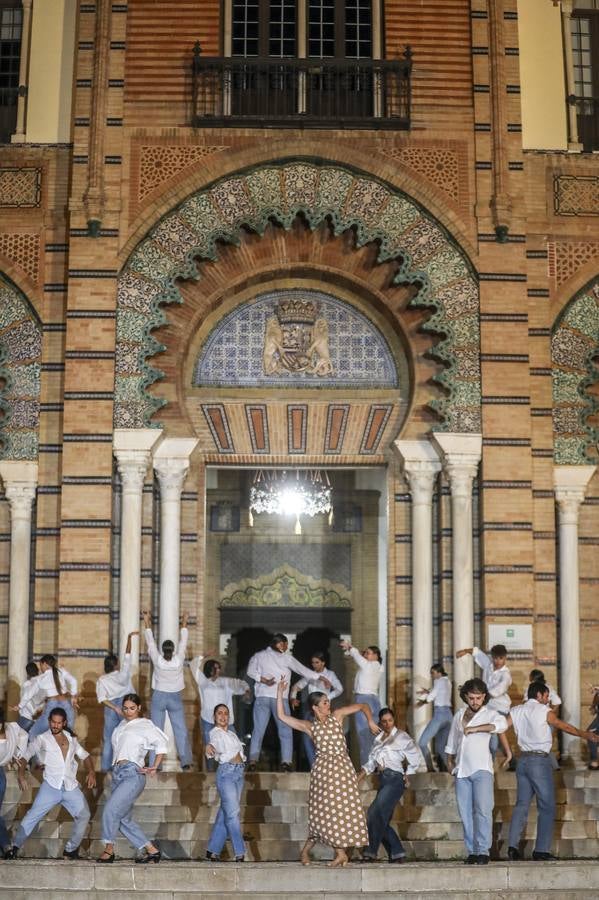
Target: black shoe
{"points": [[185, 768], [240, 859], [71, 854], [482, 860], [471, 859], [369, 859], [286, 767], [105, 859], [212, 857], [11, 853], [513, 853], [542, 857], [149, 858], [397, 861]]}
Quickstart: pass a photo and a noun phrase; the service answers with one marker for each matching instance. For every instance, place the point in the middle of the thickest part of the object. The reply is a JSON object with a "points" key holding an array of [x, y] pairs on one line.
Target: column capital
{"points": [[461, 455], [132, 448], [171, 464], [570, 484], [420, 466], [20, 484]]}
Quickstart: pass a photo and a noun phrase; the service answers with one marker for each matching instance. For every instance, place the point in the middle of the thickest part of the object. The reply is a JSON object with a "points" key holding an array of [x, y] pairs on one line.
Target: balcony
{"points": [[301, 93]]}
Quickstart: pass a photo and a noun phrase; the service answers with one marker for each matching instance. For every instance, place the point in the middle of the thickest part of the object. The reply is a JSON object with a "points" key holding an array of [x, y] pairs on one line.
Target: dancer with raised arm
{"points": [[497, 677], [227, 750], [215, 689], [132, 740], [324, 680], [13, 741], [335, 814], [32, 698], [438, 727], [110, 690], [168, 683], [366, 690], [57, 688]]}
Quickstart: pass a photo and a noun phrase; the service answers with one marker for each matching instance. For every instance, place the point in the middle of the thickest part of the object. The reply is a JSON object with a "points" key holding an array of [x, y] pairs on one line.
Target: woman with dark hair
{"points": [[13, 741], [227, 750], [335, 814], [324, 680], [366, 690], [438, 727], [214, 690], [59, 690], [131, 742]]}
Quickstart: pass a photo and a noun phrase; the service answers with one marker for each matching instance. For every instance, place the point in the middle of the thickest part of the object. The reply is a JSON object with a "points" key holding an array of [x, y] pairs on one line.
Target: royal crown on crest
{"points": [[297, 311]]}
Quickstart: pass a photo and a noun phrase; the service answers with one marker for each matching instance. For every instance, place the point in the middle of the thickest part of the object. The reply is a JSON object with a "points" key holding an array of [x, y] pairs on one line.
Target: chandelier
{"points": [[303, 492]]}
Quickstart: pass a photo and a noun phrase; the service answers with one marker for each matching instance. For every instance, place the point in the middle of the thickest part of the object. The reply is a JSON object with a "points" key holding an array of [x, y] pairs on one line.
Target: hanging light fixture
{"points": [[303, 492]]}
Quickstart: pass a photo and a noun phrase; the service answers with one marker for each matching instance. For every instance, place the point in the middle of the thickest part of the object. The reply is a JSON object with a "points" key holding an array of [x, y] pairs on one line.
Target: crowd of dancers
{"points": [[134, 747]]}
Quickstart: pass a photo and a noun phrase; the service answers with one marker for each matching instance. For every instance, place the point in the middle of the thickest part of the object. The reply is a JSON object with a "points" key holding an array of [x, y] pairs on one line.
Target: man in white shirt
{"points": [[324, 680], [555, 700], [110, 690], [366, 690], [267, 668], [168, 683], [58, 752], [469, 759], [13, 741], [532, 722], [496, 676], [394, 756]]}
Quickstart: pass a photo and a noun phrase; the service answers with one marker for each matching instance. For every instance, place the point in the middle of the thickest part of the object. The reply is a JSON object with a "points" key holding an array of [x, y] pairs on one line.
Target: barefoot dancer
{"points": [[335, 814]]}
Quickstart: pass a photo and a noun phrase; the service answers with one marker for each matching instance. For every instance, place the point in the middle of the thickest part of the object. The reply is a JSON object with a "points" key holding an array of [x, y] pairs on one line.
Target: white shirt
{"points": [[115, 684], [132, 740], [530, 724], [226, 744], [368, 675], [270, 663], [440, 693], [32, 698], [390, 750], [471, 751], [315, 684], [59, 771], [554, 697], [13, 744], [219, 690], [167, 674], [45, 683], [498, 681]]}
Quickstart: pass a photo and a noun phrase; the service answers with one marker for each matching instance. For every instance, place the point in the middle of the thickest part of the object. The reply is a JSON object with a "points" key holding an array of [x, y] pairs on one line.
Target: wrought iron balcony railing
{"points": [[304, 93]]}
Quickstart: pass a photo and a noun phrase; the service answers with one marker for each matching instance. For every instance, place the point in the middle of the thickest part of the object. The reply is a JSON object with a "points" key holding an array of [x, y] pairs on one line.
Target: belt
{"points": [[534, 753], [381, 769]]}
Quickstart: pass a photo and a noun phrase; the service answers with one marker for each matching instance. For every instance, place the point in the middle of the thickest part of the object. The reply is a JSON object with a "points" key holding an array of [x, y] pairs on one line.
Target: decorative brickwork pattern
{"points": [[440, 166], [24, 251], [567, 257], [159, 164], [575, 344], [425, 256], [20, 187], [576, 195]]}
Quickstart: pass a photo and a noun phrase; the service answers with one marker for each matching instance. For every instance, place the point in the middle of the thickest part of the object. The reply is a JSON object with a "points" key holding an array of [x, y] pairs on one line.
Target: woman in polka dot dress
{"points": [[335, 814]]}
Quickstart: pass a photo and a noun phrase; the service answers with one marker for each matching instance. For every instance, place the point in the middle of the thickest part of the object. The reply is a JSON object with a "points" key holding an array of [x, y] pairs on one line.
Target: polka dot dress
{"points": [[335, 813]]}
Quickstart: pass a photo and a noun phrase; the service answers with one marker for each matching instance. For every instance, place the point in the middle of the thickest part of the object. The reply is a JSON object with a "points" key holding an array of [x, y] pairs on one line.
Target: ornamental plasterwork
{"points": [[349, 200], [285, 587], [20, 370], [575, 344]]}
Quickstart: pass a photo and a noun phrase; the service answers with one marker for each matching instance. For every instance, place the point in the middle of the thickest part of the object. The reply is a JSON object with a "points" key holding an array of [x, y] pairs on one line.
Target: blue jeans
{"points": [[127, 784], [494, 740], [534, 776], [264, 708], [437, 728], [41, 724], [46, 798], [308, 743], [380, 812], [171, 702], [207, 727], [229, 784], [24, 723], [475, 798], [594, 726], [365, 737], [4, 836], [111, 720]]}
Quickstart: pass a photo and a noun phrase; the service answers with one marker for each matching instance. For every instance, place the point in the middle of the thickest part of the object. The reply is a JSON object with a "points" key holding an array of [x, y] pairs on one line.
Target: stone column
{"points": [[132, 449], [420, 466], [171, 464], [461, 454], [570, 483], [574, 145], [20, 482]]}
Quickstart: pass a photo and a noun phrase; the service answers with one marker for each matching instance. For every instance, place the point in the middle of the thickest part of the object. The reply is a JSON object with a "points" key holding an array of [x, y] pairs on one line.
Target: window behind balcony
{"points": [[585, 50], [10, 53]]}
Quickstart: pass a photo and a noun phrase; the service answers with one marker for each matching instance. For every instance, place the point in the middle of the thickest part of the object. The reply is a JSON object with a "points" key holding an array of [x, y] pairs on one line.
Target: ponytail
{"points": [[50, 660]]}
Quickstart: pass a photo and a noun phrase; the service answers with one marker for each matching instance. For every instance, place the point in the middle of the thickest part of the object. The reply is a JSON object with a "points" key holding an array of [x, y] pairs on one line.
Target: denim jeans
{"points": [[24, 723], [534, 777], [594, 726], [41, 724], [111, 720], [127, 784], [365, 737], [437, 728], [171, 702], [48, 797], [380, 812], [210, 764], [4, 836], [308, 743], [229, 784], [475, 798], [494, 739], [264, 708]]}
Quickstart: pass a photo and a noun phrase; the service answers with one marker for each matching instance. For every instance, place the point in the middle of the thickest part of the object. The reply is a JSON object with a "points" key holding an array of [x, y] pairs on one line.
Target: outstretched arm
{"points": [[344, 711], [553, 720], [465, 652], [296, 724]]}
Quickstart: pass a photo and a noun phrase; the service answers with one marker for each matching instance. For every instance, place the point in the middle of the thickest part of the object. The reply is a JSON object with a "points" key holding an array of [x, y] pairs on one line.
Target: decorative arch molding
{"points": [[285, 587], [574, 351], [20, 374], [319, 191]]}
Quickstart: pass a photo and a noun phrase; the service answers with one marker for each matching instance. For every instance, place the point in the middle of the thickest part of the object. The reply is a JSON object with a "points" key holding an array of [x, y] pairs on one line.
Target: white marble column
{"points": [[461, 455], [570, 483], [171, 464], [420, 466], [20, 483], [132, 449]]}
